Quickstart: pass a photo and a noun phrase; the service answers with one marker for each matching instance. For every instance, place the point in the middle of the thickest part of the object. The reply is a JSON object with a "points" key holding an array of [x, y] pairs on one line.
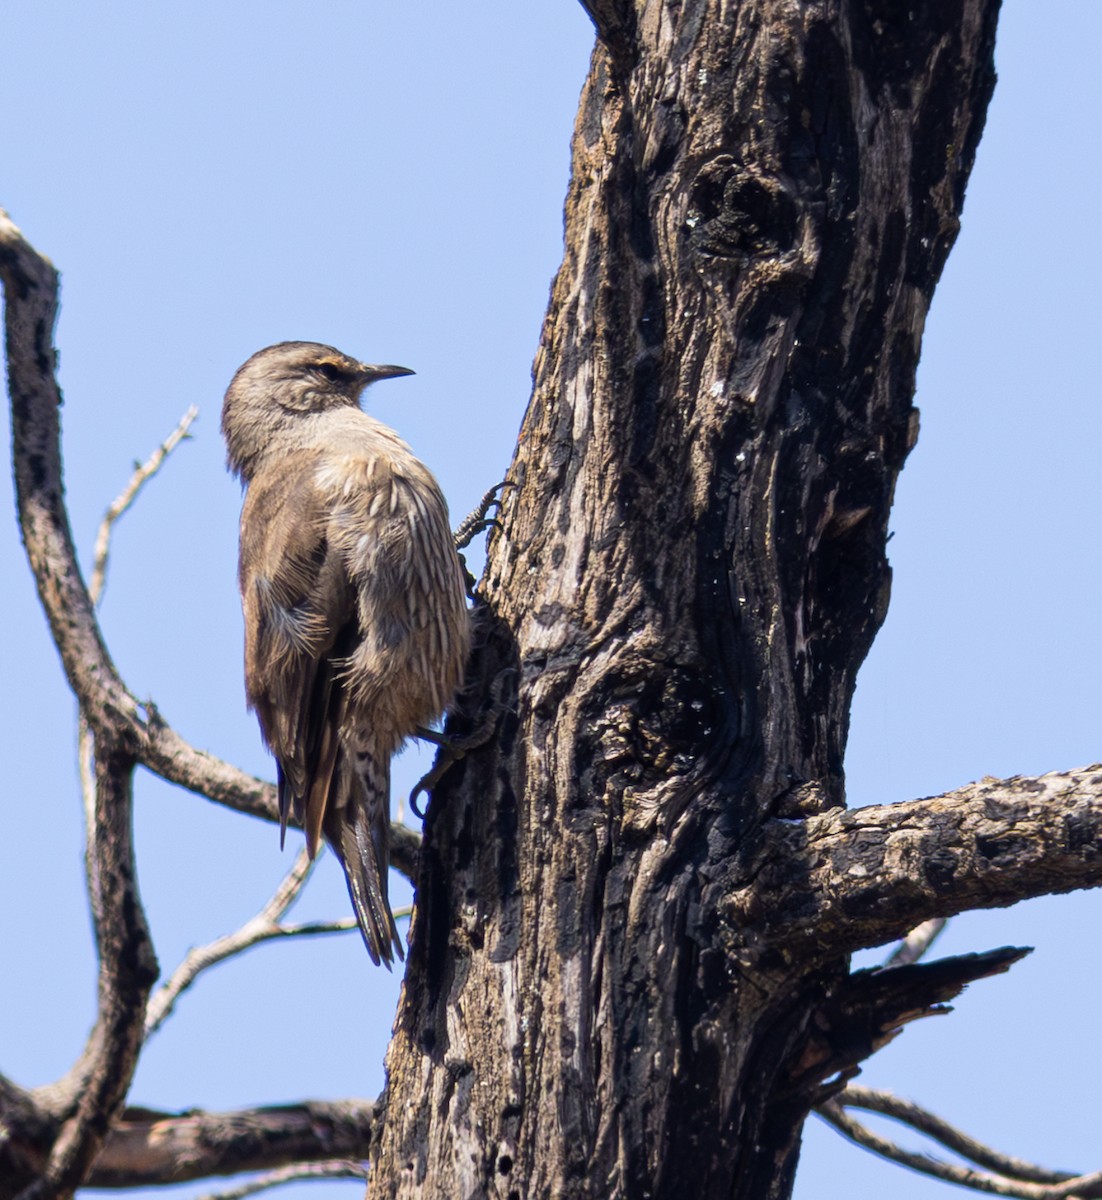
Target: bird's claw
{"points": [[478, 521], [452, 749]]}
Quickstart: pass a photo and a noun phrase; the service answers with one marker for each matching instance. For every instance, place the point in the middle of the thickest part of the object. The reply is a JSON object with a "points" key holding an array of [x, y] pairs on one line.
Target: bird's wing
{"points": [[300, 621]]}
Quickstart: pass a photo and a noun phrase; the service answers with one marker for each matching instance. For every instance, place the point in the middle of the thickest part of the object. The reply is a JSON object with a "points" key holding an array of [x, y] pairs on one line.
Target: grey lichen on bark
{"points": [[690, 572]]}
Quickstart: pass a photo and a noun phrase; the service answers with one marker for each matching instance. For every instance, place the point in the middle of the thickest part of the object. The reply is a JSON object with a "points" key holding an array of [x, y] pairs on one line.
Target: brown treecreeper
{"points": [[356, 622]]}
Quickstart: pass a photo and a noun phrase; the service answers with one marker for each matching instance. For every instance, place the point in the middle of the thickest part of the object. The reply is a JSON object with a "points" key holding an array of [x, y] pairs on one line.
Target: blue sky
{"points": [[211, 178]]}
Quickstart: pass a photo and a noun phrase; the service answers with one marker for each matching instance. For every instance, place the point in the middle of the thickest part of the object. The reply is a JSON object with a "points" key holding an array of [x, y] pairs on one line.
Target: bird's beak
{"points": [[373, 371]]}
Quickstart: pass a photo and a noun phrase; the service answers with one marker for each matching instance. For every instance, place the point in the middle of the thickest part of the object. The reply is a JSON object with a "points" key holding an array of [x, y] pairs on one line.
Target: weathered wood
{"points": [[690, 573], [842, 881], [147, 1148]]}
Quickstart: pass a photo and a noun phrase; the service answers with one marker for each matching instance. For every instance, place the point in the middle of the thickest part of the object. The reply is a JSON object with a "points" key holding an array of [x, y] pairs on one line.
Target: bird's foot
{"points": [[475, 522], [452, 749]]}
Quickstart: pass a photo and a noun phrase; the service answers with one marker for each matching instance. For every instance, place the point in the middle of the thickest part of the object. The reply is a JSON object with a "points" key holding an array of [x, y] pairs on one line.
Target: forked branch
{"points": [[30, 291], [53, 1137], [266, 926]]}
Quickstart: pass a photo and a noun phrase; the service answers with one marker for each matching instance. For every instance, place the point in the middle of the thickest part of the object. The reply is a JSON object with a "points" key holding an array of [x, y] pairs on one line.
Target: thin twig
{"points": [[141, 475], [343, 1169], [143, 472], [916, 943], [1006, 1176], [263, 927], [887, 1104]]}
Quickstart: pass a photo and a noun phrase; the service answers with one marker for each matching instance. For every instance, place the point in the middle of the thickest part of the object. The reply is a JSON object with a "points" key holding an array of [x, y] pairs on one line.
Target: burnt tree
{"points": [[628, 974]]}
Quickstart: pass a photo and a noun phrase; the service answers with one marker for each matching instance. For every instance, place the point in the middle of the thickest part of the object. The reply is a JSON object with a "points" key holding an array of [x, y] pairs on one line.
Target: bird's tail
{"points": [[358, 829]]}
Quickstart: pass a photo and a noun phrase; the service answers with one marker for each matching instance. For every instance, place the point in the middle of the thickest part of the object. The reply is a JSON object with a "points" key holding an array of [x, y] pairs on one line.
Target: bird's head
{"points": [[282, 383]]}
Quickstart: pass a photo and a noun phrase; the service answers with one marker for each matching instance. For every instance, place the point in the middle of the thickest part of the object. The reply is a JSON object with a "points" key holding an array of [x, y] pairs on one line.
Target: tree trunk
{"points": [[690, 572]]}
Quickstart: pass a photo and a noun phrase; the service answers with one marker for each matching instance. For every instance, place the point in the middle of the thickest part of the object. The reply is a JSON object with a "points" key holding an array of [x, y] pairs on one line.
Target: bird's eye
{"points": [[332, 372]]}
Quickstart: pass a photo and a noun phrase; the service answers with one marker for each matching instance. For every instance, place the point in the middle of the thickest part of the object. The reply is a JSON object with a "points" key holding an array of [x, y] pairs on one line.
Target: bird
{"points": [[355, 610]]}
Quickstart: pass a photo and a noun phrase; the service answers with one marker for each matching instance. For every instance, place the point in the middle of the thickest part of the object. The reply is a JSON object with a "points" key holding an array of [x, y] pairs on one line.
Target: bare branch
{"points": [[264, 925], [143, 472], [97, 1085], [147, 1148], [167, 754], [867, 1009], [916, 943], [870, 875], [1010, 1176], [150, 1148], [30, 289], [252, 933], [332, 1170], [926, 1122], [95, 1088]]}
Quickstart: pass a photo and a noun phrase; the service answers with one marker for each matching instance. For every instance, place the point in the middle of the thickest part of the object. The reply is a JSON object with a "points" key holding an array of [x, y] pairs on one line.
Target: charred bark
{"points": [[690, 572]]}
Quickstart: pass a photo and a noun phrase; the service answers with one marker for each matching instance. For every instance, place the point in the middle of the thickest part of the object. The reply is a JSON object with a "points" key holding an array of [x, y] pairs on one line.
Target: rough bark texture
{"points": [[845, 880], [690, 572]]}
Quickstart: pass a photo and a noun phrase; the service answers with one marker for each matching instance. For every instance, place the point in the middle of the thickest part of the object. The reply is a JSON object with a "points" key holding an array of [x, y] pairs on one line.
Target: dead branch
{"points": [[1005, 1176], [914, 946], [94, 1089], [867, 1009], [332, 1170], [870, 875], [143, 472], [30, 289], [148, 1148], [265, 926]]}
